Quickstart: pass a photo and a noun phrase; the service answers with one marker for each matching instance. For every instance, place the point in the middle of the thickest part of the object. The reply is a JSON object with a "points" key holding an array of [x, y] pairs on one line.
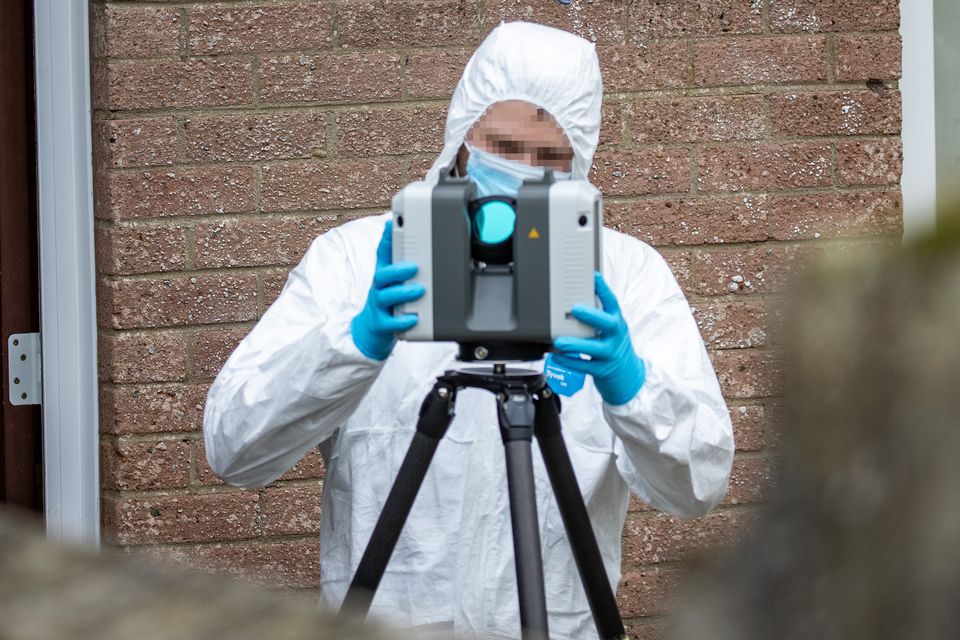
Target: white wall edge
{"points": [[67, 285], [919, 182]]}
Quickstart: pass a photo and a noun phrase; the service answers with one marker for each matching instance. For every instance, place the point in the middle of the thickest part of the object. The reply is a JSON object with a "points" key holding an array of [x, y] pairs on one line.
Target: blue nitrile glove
{"points": [[617, 371], [374, 329]]}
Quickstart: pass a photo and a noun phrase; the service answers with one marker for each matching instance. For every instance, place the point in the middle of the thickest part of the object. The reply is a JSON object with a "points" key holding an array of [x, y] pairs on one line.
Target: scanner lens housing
{"points": [[493, 220]]}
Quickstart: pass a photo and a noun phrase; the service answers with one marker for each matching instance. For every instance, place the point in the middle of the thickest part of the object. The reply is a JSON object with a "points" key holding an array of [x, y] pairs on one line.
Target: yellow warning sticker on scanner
{"points": [[534, 234]]}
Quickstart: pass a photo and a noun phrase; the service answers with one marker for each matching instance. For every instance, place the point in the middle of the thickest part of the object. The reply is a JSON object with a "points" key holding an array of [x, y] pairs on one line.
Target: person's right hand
{"points": [[374, 330]]}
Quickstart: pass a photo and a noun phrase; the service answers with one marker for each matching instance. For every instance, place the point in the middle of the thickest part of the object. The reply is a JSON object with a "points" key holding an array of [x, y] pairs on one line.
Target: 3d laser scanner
{"points": [[501, 274]]}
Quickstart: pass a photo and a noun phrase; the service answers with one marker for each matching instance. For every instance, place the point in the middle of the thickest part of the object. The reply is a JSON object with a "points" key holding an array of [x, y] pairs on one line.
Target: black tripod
{"points": [[525, 407]]}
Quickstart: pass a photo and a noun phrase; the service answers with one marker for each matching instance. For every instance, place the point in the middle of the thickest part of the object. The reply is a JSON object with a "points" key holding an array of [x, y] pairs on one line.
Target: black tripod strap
{"points": [[436, 413], [576, 520]]}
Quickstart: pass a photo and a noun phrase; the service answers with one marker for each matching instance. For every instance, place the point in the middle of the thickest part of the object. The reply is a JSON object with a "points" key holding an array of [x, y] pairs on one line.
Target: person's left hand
{"points": [[617, 371], [374, 330]]}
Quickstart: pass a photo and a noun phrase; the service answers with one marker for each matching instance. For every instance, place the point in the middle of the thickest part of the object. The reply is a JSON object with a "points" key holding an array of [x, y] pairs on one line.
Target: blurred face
{"points": [[520, 131]]}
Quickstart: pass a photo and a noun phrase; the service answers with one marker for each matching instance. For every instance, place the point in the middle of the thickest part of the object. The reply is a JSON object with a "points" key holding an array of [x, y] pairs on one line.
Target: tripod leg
{"points": [[516, 426], [436, 413], [576, 520]]}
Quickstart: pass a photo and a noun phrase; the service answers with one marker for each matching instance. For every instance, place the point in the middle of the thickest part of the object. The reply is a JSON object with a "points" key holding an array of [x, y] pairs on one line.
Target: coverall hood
{"points": [[550, 68]]}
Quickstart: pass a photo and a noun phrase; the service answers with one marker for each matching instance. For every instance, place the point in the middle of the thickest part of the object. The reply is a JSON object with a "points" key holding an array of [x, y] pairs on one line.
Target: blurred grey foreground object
{"points": [[49, 592], [862, 539]]}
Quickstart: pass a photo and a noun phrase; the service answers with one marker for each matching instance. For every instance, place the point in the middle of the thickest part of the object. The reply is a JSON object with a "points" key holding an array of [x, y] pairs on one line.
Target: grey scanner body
{"points": [[556, 250]]}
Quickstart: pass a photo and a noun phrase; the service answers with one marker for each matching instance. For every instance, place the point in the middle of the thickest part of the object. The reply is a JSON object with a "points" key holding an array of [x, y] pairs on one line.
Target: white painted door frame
{"points": [[68, 325], [919, 183]]}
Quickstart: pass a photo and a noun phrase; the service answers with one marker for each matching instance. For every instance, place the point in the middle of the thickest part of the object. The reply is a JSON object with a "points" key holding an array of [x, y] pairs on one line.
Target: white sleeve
{"points": [[675, 440], [297, 376]]}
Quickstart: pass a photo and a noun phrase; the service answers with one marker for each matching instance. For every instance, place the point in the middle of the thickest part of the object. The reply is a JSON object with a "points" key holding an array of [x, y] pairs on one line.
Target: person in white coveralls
{"points": [[323, 367]]}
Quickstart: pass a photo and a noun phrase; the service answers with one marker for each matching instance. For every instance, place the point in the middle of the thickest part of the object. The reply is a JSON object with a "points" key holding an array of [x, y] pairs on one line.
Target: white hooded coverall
{"points": [[298, 380]]}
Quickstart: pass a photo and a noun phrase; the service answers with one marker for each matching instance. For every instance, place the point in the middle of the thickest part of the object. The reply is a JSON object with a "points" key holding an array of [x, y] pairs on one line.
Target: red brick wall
{"points": [[738, 136]]}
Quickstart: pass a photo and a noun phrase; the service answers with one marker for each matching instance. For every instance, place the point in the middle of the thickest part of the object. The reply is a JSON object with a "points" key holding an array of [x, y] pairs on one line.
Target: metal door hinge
{"points": [[23, 367]]}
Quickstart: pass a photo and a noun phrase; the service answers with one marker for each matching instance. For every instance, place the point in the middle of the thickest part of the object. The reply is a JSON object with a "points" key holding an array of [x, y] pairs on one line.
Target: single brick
{"points": [[272, 283], [99, 83], [135, 32], [257, 242], [751, 480], [641, 172], [651, 537], [600, 21], [149, 357], [434, 73], [167, 408], [732, 61], [763, 167], [330, 185], [831, 113], [835, 215], [405, 23], [872, 162], [377, 132], [681, 264], [144, 465], [331, 78], [167, 302], [646, 592], [655, 65], [748, 373], [834, 15], [635, 504], [611, 124], [269, 136], [138, 142], [420, 165], [731, 325], [752, 269], [876, 56], [749, 426], [126, 250], [212, 348], [183, 518], [691, 221], [218, 29], [675, 120], [293, 510], [778, 272], [176, 192], [289, 564], [310, 466], [657, 19], [176, 84], [203, 473]]}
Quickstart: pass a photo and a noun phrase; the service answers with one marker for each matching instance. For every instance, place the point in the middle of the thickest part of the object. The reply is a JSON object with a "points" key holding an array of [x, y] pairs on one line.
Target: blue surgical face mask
{"points": [[498, 176]]}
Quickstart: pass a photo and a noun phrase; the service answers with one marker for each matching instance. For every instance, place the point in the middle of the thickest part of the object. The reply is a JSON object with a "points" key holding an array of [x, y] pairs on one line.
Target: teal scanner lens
{"points": [[495, 221]]}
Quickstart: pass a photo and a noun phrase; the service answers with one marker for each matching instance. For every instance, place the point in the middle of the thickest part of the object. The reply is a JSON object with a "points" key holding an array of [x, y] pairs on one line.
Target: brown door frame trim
{"points": [[20, 438]]}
